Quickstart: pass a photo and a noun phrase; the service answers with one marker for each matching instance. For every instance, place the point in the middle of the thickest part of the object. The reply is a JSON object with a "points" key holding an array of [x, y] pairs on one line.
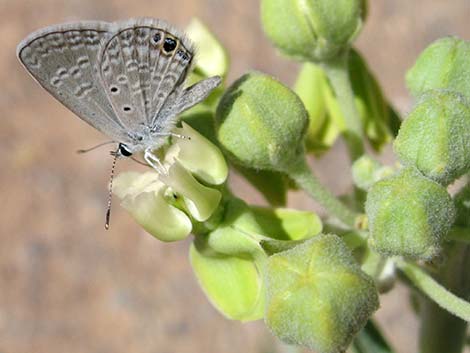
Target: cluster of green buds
{"points": [[309, 284], [253, 262], [411, 212]]}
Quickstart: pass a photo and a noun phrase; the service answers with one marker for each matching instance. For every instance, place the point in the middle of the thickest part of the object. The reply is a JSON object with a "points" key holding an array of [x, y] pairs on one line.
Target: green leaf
{"points": [[211, 60], [310, 85], [211, 57], [372, 105], [287, 224], [264, 223], [234, 285], [380, 121]]}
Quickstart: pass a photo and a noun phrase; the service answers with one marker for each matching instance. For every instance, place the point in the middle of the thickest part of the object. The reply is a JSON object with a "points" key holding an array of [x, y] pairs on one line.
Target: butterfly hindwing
{"points": [[143, 64]]}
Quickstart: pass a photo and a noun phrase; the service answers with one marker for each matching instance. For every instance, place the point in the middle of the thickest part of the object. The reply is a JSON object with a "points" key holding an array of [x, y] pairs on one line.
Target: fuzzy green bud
{"points": [[435, 138], [409, 215], [317, 296], [366, 171], [445, 64], [261, 123], [312, 30]]}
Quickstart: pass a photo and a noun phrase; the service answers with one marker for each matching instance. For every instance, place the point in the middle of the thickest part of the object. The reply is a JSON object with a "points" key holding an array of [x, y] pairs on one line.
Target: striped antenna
{"points": [[110, 193]]}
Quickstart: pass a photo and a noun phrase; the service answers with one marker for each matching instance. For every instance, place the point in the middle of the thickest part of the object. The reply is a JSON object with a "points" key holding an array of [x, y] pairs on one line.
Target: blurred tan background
{"points": [[67, 285]]}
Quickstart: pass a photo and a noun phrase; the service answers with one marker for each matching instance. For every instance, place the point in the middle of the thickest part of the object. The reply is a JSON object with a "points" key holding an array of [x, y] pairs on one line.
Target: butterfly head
{"points": [[123, 150]]}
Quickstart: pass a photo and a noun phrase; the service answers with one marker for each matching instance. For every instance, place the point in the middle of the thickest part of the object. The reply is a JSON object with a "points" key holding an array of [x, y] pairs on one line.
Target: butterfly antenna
{"points": [[95, 147], [110, 192]]}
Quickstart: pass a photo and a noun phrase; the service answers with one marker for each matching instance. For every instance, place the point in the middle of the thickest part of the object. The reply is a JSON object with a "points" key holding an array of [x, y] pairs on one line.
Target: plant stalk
{"points": [[337, 72], [440, 330], [303, 176]]}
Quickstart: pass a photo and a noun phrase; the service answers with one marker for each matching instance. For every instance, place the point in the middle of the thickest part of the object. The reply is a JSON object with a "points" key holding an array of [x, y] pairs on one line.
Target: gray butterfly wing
{"points": [[143, 66], [62, 58]]}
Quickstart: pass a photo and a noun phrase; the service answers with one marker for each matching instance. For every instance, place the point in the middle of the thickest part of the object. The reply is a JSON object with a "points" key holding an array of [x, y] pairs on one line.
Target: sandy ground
{"points": [[66, 285]]}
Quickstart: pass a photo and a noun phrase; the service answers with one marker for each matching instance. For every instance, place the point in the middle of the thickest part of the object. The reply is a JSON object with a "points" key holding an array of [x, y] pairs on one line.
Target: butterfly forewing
{"points": [[63, 59], [142, 66]]}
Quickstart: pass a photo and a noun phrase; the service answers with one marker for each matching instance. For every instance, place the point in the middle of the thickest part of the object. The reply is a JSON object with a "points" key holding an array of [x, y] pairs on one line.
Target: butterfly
{"points": [[125, 78]]}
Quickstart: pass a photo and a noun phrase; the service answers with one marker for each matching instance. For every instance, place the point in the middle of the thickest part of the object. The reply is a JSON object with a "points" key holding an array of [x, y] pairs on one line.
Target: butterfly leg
{"points": [[172, 134], [183, 137], [154, 161]]}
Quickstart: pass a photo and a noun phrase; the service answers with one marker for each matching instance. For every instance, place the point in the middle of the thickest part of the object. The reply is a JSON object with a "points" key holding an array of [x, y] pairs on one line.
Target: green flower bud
{"points": [[143, 195], [366, 171], [312, 30], [261, 123], [409, 215], [445, 64], [435, 138], [317, 296]]}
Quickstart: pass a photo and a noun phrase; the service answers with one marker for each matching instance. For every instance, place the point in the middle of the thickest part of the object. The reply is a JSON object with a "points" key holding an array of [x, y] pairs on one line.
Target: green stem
{"points": [[303, 176], [337, 71], [441, 331]]}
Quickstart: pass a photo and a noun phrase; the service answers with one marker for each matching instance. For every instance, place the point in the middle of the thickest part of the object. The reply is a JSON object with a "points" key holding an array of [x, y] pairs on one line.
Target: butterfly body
{"points": [[126, 79]]}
